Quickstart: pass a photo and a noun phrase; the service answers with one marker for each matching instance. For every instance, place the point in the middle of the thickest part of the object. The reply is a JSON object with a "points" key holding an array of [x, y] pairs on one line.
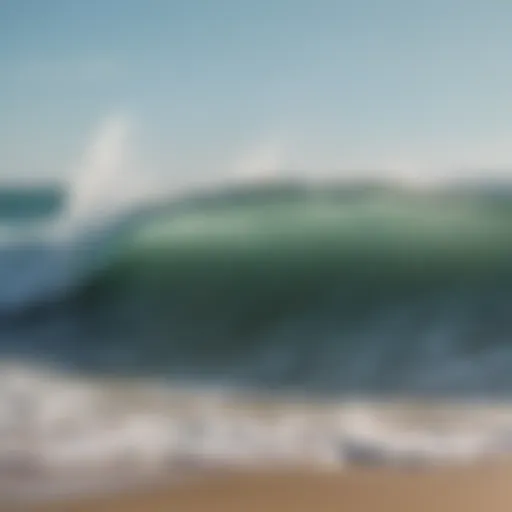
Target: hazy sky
{"points": [[207, 88]]}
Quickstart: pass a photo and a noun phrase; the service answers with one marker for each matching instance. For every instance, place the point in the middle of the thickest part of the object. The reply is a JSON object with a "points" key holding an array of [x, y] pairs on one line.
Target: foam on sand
{"points": [[62, 433]]}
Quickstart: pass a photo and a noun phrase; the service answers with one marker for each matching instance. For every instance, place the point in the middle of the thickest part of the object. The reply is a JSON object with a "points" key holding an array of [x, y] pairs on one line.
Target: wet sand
{"points": [[472, 489]]}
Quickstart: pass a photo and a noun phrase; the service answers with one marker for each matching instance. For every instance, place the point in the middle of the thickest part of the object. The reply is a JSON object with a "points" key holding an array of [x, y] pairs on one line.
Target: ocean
{"points": [[326, 323]]}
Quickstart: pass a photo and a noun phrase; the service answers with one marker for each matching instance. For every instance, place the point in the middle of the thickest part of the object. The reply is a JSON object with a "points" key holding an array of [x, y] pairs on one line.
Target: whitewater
{"points": [[270, 323]]}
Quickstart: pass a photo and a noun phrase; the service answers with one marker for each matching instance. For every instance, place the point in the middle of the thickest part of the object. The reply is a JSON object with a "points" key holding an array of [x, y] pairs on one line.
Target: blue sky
{"points": [[196, 90]]}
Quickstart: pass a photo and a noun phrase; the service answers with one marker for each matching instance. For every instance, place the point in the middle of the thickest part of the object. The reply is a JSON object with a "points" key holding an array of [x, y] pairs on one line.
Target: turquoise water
{"points": [[332, 290], [25, 203]]}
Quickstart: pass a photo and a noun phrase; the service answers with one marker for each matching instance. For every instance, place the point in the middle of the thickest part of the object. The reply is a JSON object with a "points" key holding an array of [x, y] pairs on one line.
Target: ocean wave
{"points": [[258, 326], [338, 290]]}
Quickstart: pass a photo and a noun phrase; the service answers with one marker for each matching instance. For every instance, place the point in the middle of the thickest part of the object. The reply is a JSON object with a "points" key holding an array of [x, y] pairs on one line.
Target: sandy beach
{"points": [[472, 489]]}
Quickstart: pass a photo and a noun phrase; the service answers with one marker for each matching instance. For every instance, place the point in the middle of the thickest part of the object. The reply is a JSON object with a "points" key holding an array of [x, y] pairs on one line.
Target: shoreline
{"points": [[474, 488]]}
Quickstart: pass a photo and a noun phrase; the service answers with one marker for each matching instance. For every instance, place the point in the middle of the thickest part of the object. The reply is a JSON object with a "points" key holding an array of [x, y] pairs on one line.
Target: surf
{"points": [[236, 323], [269, 284], [235, 326]]}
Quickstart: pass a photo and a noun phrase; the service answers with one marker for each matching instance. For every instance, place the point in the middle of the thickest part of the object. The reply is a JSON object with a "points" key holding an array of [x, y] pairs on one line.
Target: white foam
{"points": [[59, 425]]}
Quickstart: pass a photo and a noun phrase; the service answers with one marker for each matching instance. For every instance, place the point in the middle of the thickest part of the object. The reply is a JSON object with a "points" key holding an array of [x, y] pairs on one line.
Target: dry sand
{"points": [[486, 488]]}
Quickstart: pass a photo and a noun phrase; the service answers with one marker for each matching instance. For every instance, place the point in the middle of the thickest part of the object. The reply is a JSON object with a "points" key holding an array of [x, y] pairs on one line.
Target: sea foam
{"points": [[62, 431]]}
